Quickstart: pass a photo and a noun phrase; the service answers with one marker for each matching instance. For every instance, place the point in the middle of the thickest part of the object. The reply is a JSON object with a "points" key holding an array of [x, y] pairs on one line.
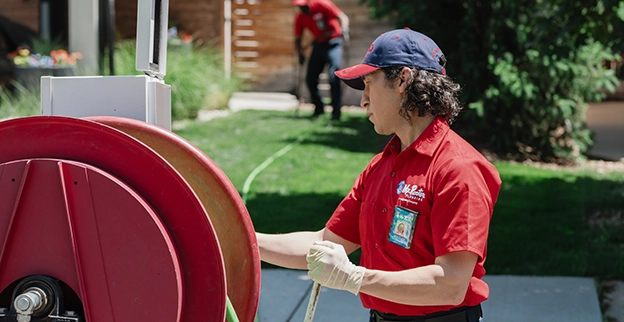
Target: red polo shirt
{"points": [[322, 21], [451, 186]]}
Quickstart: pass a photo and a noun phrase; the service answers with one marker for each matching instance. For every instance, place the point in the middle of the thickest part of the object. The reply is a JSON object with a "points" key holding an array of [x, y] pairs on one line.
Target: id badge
{"points": [[402, 227]]}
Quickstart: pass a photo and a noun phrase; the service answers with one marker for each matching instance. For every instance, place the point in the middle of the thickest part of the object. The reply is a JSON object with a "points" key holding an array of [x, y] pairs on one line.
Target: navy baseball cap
{"points": [[400, 47]]}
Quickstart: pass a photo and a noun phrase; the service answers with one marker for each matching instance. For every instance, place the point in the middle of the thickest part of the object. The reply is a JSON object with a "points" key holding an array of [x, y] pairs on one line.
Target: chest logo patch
{"points": [[410, 193]]}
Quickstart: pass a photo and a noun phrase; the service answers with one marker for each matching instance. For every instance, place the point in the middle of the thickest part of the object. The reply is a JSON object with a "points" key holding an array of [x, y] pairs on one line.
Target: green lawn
{"points": [[541, 223]]}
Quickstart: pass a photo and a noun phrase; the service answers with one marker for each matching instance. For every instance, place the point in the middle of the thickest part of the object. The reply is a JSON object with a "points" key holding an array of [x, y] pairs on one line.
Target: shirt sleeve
{"points": [[298, 26], [465, 194]]}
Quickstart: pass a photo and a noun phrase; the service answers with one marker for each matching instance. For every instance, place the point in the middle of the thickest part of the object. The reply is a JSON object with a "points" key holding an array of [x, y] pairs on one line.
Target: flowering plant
{"points": [[178, 38], [57, 58]]}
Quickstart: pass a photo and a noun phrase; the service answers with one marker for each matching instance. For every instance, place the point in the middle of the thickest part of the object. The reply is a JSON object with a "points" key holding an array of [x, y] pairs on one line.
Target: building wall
{"points": [[25, 12], [202, 18]]}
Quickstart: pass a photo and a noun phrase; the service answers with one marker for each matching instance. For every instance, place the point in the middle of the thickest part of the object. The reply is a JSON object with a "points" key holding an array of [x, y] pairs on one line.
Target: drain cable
{"points": [[264, 165]]}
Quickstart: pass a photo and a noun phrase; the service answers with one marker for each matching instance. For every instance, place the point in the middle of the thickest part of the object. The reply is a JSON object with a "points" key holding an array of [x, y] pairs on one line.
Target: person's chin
{"points": [[379, 130]]}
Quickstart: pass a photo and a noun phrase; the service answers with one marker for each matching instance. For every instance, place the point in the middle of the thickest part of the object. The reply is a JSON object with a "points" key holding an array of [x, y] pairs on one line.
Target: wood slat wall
{"points": [[263, 43], [22, 12]]}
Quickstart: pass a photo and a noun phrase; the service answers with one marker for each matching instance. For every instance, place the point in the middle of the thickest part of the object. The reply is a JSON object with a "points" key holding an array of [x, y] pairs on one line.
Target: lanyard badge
{"points": [[402, 227]]}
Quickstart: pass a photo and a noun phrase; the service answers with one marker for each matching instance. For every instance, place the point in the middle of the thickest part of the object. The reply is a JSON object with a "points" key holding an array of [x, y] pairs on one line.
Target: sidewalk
{"points": [[606, 120], [285, 293]]}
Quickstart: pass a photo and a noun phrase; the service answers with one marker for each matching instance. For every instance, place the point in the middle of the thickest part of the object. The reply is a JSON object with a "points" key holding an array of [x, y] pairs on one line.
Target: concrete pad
{"points": [[334, 305], [547, 299], [282, 291], [285, 293], [262, 101]]}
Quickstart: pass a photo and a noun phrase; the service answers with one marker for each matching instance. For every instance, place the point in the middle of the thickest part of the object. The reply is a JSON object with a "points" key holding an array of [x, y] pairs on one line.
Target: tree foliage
{"points": [[528, 68]]}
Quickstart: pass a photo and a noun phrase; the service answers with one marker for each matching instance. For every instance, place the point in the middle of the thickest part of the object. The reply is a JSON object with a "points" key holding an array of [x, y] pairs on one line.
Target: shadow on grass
{"points": [[354, 133], [552, 226], [275, 213]]}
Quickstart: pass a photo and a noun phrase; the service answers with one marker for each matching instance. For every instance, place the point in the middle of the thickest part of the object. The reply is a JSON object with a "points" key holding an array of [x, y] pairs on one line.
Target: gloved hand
{"points": [[345, 36], [329, 266], [301, 58]]}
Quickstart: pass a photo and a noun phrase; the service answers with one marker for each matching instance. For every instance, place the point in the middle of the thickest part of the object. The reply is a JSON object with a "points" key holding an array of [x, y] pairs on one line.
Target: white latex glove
{"points": [[329, 266]]}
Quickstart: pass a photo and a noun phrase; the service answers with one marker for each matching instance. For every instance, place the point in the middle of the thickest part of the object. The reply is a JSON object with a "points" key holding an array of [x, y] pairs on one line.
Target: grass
{"points": [[558, 222], [299, 189], [546, 221], [19, 102]]}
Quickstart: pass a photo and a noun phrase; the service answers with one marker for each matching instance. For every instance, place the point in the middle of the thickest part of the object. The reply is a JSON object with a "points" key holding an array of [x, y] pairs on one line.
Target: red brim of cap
{"points": [[352, 76]]}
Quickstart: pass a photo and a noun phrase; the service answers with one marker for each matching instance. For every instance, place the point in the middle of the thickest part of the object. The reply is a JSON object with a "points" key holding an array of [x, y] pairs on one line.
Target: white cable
{"points": [[314, 296], [263, 166]]}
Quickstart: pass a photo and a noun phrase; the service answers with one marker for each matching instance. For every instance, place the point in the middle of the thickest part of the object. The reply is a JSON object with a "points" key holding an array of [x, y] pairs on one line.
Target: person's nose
{"points": [[365, 100]]}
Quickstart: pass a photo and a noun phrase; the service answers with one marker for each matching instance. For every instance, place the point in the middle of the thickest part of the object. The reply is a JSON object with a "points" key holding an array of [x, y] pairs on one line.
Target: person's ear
{"points": [[405, 78]]}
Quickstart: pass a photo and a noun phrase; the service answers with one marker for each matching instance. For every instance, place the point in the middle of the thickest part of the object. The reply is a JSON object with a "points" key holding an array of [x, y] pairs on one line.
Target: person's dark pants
{"points": [[462, 314], [329, 53]]}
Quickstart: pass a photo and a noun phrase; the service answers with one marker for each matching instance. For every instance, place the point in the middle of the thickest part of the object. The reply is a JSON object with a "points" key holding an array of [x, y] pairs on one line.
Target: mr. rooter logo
{"points": [[410, 193]]}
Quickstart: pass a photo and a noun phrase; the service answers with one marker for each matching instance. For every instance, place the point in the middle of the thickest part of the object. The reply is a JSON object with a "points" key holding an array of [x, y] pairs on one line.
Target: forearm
{"points": [[443, 283], [287, 250], [425, 285]]}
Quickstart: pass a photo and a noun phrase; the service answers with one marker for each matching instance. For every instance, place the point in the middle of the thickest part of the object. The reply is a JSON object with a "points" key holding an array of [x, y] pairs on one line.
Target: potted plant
{"points": [[31, 64]]}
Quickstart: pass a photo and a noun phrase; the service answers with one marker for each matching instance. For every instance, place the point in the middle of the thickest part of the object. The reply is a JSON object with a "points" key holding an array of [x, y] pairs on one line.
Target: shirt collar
{"points": [[426, 143]]}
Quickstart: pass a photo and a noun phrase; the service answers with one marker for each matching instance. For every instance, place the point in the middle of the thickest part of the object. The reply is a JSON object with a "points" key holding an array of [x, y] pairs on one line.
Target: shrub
{"points": [[527, 67], [537, 102]]}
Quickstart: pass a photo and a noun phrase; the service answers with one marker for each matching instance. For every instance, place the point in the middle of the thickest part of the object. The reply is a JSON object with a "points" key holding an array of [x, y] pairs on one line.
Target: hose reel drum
{"points": [[114, 219]]}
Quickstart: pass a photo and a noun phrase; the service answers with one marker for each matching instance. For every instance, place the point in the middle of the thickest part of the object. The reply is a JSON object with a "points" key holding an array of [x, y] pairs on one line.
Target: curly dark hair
{"points": [[429, 92]]}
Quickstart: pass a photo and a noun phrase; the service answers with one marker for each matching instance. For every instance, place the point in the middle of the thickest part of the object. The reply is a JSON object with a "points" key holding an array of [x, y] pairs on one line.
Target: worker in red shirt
{"points": [[420, 211], [329, 27]]}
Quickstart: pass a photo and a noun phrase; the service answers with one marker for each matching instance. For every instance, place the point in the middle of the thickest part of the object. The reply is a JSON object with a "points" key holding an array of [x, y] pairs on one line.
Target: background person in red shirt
{"points": [[329, 27], [427, 178]]}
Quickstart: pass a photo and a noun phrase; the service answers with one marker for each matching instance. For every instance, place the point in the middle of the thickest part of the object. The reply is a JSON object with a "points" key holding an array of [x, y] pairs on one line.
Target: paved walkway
{"points": [[606, 120], [285, 293]]}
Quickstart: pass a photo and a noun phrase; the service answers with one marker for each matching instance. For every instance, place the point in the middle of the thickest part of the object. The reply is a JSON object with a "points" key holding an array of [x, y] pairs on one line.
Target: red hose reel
{"points": [[127, 221]]}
